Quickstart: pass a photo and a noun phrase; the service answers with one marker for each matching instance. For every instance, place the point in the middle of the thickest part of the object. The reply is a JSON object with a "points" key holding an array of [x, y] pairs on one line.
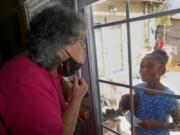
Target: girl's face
{"points": [[150, 69]]}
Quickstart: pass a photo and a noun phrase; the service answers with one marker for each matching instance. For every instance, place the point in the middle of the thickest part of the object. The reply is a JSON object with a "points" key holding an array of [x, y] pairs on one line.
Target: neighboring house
{"points": [[175, 19], [172, 38]]}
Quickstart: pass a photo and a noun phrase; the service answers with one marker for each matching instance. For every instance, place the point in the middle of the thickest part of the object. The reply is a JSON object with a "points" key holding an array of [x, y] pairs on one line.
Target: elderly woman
{"points": [[31, 85]]}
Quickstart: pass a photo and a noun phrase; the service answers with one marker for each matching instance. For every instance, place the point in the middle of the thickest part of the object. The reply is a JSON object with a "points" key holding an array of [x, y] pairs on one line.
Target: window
{"points": [[124, 31], [32, 7]]}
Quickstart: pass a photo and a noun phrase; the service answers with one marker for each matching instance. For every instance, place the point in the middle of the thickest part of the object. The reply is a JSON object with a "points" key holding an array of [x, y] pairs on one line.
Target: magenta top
{"points": [[31, 99]]}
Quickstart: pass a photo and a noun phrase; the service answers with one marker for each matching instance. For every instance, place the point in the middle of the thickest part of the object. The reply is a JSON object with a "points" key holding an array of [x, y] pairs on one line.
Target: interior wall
{"points": [[12, 29]]}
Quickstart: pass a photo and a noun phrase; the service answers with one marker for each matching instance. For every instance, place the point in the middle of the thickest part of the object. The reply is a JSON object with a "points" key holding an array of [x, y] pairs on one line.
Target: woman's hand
{"points": [[79, 88], [151, 124]]}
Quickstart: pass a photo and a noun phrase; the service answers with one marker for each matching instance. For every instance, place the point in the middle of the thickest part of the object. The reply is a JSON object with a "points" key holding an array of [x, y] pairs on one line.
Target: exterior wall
{"points": [[136, 9], [175, 21], [173, 37]]}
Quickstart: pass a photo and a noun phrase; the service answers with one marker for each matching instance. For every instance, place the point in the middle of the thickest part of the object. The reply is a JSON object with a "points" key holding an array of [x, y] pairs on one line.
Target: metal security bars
{"points": [[93, 59]]}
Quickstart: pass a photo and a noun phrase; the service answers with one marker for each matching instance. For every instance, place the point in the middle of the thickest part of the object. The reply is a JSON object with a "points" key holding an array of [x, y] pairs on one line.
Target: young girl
{"points": [[155, 110]]}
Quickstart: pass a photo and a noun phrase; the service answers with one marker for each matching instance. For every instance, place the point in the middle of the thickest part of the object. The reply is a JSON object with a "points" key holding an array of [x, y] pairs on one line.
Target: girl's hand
{"points": [[151, 124]]}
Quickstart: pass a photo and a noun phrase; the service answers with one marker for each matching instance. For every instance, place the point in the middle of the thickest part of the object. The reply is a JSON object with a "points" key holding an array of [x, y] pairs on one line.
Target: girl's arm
{"points": [[174, 126]]}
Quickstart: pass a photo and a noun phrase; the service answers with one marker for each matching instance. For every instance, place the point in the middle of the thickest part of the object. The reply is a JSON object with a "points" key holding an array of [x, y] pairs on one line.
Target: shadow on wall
{"points": [[10, 37]]}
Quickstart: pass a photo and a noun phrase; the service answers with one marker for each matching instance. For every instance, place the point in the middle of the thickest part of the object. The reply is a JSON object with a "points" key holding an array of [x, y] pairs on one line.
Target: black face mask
{"points": [[70, 66]]}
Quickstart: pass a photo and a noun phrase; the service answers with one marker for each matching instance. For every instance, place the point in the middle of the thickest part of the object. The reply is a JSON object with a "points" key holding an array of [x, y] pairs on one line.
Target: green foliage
{"points": [[164, 20]]}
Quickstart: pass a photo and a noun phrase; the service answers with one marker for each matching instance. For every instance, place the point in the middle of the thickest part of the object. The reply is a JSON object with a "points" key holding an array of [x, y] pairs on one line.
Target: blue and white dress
{"points": [[156, 107]]}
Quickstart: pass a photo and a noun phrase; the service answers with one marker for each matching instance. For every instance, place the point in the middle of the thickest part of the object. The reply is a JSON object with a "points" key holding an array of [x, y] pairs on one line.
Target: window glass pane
{"points": [[145, 7], [112, 61], [111, 50], [147, 106], [35, 6], [110, 98], [153, 36], [106, 11]]}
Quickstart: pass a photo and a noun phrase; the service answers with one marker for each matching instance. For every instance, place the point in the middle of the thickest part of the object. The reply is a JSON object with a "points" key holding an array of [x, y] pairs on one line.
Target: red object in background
{"points": [[161, 43]]}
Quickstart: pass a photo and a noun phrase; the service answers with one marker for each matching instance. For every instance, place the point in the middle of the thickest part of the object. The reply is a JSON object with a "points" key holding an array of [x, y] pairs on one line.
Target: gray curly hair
{"points": [[51, 30]]}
